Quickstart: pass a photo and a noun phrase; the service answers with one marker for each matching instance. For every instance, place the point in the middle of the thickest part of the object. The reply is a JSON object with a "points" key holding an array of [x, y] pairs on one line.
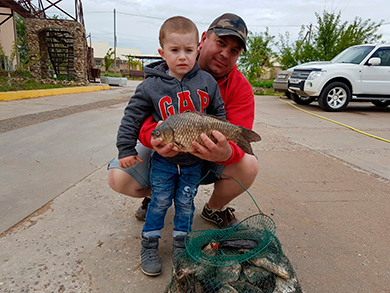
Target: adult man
{"points": [[220, 48]]}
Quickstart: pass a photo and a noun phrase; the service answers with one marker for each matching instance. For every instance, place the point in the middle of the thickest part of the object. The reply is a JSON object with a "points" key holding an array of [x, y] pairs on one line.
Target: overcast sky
{"points": [[138, 22]]}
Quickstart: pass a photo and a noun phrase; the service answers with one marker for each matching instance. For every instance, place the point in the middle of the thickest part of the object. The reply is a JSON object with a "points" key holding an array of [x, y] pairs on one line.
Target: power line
{"points": [[284, 25], [138, 15], [205, 23], [144, 16]]}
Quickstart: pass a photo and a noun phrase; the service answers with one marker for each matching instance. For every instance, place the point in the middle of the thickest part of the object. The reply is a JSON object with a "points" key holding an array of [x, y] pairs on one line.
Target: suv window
{"points": [[353, 55], [384, 55]]}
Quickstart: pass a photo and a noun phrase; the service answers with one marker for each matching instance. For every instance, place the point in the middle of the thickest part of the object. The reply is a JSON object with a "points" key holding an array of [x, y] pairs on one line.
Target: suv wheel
{"points": [[335, 97], [301, 100], [381, 103]]}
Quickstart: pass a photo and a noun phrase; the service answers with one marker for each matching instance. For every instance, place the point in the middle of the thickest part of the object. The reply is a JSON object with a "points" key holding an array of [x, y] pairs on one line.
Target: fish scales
{"points": [[183, 129], [271, 265], [188, 127], [228, 274]]}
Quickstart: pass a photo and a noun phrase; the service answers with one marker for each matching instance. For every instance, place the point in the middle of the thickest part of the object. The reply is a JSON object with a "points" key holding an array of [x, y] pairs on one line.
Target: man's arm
{"points": [[146, 129], [240, 110], [239, 100]]}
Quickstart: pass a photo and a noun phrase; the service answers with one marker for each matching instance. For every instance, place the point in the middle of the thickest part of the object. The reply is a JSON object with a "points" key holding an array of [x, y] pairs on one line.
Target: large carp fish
{"points": [[183, 129]]}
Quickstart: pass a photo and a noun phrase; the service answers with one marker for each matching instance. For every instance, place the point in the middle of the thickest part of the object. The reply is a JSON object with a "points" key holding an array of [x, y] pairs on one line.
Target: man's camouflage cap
{"points": [[230, 24]]}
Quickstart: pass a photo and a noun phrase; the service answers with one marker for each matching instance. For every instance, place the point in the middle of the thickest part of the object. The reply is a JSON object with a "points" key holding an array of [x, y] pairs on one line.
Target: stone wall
{"points": [[39, 56]]}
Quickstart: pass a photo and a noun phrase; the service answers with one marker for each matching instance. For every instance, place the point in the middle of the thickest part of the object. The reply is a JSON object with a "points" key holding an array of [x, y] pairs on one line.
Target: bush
{"points": [[22, 80], [21, 73], [264, 88], [266, 83]]}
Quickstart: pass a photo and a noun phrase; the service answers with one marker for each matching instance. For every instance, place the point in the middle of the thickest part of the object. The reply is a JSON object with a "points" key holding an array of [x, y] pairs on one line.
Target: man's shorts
{"points": [[140, 172]]}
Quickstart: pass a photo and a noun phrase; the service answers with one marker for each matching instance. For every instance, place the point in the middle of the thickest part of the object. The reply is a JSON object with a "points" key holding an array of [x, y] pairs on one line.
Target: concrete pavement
{"points": [[330, 208], [60, 137]]}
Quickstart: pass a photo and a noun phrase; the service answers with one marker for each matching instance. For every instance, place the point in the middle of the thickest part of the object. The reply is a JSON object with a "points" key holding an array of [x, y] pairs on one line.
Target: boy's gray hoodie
{"points": [[162, 95]]}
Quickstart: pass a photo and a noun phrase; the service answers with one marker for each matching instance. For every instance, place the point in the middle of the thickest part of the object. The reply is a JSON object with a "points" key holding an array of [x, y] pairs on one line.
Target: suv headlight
{"points": [[315, 74]]}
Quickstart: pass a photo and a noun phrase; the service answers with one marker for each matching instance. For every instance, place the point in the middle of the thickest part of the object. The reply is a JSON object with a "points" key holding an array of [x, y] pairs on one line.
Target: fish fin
{"points": [[245, 145], [175, 148], [247, 136], [209, 115], [178, 146]]}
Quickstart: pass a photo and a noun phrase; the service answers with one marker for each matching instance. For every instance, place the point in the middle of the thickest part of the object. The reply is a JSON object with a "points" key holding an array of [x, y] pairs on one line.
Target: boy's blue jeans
{"points": [[168, 182]]}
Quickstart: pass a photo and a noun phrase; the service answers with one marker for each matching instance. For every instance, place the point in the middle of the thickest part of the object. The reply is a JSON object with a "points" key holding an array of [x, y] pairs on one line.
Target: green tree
{"points": [[133, 64], [258, 56], [300, 51], [21, 41], [359, 32], [7, 61], [327, 39], [334, 36], [109, 59], [328, 33]]}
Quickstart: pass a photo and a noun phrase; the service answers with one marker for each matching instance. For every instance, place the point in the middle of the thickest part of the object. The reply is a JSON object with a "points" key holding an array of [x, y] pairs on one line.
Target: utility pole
{"points": [[114, 41]]}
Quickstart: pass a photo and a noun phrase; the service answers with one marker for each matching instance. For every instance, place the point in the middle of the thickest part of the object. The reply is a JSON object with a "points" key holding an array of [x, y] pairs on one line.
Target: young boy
{"points": [[175, 85]]}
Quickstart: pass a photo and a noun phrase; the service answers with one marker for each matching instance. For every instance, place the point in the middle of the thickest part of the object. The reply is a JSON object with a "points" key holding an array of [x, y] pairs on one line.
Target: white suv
{"points": [[359, 73]]}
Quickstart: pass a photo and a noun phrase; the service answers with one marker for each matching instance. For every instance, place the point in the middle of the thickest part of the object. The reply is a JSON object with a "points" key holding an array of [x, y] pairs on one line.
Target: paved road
{"points": [[48, 144], [325, 186], [309, 126]]}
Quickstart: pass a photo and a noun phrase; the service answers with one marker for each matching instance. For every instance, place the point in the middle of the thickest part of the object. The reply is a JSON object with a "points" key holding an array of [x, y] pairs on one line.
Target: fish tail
{"points": [[245, 146], [247, 136]]}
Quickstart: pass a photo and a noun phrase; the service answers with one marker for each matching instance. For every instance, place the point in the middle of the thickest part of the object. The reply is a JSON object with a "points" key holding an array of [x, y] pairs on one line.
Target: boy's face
{"points": [[179, 51]]}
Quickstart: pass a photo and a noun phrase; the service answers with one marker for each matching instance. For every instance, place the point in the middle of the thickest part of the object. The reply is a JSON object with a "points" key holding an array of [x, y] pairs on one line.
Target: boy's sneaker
{"points": [[224, 218], [178, 245], [140, 214], [150, 261]]}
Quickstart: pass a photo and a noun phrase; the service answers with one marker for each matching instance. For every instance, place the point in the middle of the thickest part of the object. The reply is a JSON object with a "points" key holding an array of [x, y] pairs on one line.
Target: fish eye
{"points": [[157, 133]]}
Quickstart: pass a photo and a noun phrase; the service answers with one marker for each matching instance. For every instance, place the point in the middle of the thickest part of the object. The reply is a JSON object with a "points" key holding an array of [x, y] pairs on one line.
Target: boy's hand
{"points": [[162, 149], [129, 161], [214, 152]]}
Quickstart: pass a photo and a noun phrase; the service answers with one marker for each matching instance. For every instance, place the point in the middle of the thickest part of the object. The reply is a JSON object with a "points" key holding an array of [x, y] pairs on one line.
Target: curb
{"points": [[17, 95]]}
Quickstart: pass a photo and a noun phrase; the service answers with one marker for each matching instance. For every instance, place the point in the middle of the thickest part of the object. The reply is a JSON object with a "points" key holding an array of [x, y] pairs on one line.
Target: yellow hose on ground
{"points": [[330, 120]]}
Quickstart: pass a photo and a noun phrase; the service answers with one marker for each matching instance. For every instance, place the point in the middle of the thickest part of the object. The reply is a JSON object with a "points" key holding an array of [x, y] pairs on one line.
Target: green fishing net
{"points": [[230, 246], [246, 258], [214, 262]]}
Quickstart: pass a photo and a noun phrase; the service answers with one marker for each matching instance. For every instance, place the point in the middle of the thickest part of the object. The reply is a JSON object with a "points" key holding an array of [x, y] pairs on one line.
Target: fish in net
{"points": [[229, 265], [246, 258]]}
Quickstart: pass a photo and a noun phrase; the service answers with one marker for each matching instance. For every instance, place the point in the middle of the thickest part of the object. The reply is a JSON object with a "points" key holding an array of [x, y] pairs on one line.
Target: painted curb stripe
{"points": [[17, 95]]}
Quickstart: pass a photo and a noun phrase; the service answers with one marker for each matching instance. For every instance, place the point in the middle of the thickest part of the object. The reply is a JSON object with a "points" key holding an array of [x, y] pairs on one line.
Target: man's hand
{"points": [[129, 161], [162, 149], [214, 152]]}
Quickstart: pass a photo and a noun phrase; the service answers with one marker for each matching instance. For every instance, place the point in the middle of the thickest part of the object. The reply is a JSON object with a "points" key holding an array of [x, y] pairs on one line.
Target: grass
{"points": [[24, 85], [265, 83], [264, 88], [23, 81]]}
